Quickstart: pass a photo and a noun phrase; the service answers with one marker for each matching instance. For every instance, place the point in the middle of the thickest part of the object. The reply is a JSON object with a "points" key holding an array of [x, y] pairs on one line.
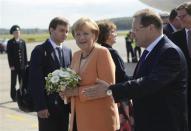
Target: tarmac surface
{"points": [[11, 118]]}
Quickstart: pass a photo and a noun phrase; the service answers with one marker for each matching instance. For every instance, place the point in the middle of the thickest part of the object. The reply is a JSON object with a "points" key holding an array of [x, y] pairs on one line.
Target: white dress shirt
{"points": [[54, 45], [153, 44], [174, 29], [186, 34]]}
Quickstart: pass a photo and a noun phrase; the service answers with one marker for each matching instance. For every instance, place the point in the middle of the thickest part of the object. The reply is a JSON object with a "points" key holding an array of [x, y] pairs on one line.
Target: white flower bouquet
{"points": [[61, 79]]}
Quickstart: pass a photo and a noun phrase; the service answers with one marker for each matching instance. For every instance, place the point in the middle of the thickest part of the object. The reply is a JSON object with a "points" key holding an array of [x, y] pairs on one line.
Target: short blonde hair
{"points": [[87, 22]]}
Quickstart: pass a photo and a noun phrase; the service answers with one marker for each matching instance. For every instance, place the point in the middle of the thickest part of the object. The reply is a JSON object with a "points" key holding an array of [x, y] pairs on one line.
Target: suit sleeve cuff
{"points": [[118, 91]]}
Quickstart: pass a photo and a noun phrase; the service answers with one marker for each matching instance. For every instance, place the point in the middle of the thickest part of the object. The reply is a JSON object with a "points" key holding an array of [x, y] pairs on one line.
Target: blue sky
{"points": [[38, 13]]}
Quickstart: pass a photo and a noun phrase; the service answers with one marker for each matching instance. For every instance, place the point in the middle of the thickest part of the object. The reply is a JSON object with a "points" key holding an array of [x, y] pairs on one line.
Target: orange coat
{"points": [[98, 114]]}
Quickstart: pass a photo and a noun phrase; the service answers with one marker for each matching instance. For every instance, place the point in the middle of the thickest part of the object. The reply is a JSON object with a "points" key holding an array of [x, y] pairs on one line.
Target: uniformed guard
{"points": [[17, 58]]}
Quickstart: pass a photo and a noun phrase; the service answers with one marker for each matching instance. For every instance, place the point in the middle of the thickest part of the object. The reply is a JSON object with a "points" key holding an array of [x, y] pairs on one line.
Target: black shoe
{"points": [[134, 60], [14, 99]]}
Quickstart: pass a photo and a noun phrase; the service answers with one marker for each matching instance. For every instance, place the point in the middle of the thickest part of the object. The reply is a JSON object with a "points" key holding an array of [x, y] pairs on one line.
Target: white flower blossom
{"points": [[61, 79], [54, 79], [56, 73], [64, 74]]}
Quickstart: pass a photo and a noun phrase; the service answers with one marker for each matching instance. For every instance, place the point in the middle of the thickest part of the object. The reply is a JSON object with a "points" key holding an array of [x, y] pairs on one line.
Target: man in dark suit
{"points": [[173, 25], [53, 114], [182, 39], [158, 88], [17, 58]]}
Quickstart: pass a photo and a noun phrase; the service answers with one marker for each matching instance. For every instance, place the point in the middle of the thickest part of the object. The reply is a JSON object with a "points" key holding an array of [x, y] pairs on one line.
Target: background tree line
{"points": [[123, 23]]}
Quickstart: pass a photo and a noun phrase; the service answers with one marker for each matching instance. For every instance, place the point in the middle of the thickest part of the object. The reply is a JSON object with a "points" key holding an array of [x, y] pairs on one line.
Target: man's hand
{"points": [[43, 113], [96, 91]]}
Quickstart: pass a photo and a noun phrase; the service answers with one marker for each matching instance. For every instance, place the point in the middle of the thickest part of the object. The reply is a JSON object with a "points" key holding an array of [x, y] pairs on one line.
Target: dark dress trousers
{"points": [[180, 39], [17, 58], [129, 49], [44, 61], [158, 90]]}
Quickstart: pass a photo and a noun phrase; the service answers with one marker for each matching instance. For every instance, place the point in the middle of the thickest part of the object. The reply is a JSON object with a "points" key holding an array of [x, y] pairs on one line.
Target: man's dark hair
{"points": [[186, 6], [173, 14], [58, 21], [148, 17]]}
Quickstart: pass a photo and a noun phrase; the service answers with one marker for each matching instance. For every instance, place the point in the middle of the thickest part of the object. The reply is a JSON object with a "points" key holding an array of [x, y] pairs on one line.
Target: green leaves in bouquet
{"points": [[61, 79]]}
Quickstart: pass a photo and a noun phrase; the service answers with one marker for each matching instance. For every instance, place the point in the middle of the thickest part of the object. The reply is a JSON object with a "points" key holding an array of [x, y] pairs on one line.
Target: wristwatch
{"points": [[109, 92]]}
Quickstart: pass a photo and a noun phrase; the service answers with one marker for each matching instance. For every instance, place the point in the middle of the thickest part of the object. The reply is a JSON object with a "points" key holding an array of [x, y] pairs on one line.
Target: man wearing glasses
{"points": [[159, 85], [183, 39]]}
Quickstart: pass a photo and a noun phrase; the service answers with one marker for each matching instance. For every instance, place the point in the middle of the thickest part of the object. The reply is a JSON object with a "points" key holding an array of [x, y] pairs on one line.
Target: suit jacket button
{"points": [[55, 102]]}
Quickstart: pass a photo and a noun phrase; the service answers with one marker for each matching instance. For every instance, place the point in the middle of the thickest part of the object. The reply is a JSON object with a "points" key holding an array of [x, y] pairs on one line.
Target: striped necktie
{"points": [[142, 59], [59, 50]]}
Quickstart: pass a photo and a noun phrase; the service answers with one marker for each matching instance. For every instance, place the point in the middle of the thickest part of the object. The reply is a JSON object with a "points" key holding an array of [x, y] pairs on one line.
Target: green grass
{"points": [[122, 33], [33, 37], [42, 37]]}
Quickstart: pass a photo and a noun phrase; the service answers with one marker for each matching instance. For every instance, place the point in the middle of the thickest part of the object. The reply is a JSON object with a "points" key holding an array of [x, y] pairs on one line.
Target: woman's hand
{"points": [[96, 91], [43, 113], [69, 93]]}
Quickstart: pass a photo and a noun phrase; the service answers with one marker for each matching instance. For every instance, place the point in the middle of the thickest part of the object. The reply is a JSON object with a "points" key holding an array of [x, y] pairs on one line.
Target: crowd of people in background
{"points": [[156, 98]]}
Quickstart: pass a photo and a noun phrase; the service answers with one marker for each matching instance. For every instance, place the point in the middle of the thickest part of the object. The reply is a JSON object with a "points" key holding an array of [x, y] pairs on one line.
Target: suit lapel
{"points": [[52, 53], [136, 70], [184, 37], [170, 28], [150, 60]]}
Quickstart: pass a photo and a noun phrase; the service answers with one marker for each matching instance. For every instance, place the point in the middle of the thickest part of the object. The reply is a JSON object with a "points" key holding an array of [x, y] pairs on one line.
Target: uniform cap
{"points": [[14, 28]]}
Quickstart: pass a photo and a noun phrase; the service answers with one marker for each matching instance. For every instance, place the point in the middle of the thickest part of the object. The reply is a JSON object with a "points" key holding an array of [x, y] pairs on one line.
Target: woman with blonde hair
{"points": [[92, 62]]}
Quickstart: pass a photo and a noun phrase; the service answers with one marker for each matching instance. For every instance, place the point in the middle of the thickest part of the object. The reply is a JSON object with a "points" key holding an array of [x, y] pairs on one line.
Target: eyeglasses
{"points": [[134, 29], [182, 16]]}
